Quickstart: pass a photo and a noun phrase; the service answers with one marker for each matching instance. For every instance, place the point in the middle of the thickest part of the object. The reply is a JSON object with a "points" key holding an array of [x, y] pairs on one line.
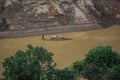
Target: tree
{"points": [[36, 63], [114, 73], [77, 68], [103, 57], [64, 74], [29, 65], [91, 72], [100, 63]]}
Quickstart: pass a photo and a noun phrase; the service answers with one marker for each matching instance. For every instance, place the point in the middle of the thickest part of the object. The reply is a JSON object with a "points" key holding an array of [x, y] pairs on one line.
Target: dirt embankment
{"points": [[49, 30]]}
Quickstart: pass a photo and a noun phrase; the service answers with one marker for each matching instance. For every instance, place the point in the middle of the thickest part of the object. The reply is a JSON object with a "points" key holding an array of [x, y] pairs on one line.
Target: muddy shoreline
{"points": [[53, 30]]}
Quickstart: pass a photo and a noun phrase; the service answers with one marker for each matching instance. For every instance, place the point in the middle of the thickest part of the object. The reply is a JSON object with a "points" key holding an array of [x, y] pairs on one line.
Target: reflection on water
{"points": [[66, 52]]}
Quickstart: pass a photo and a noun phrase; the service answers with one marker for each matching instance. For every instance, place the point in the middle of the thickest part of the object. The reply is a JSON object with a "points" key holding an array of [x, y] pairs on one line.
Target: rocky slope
{"points": [[41, 14], [109, 11]]}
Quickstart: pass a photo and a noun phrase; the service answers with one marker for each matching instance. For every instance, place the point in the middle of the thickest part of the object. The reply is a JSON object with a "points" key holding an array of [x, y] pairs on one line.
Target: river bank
{"points": [[50, 30]]}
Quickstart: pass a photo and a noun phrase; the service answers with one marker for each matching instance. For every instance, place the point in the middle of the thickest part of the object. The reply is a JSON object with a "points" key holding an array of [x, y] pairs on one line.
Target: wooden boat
{"points": [[56, 38]]}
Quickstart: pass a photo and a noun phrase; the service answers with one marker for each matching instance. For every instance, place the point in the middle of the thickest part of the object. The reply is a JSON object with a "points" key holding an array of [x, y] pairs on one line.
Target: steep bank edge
{"points": [[60, 29]]}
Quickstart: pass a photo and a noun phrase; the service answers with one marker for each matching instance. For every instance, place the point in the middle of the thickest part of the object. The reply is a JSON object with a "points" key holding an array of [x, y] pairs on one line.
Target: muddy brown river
{"points": [[65, 52]]}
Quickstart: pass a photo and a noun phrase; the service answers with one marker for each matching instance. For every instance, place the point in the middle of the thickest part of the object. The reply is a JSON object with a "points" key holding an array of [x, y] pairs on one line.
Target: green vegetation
{"points": [[101, 63], [34, 64], [64, 74], [29, 65]]}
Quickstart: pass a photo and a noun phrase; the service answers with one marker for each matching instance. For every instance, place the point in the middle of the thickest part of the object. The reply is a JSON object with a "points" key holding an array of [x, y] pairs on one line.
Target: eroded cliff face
{"points": [[25, 14], [109, 11]]}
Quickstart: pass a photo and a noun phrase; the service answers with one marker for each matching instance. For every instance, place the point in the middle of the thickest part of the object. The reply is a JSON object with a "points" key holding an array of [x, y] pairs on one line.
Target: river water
{"points": [[65, 52]]}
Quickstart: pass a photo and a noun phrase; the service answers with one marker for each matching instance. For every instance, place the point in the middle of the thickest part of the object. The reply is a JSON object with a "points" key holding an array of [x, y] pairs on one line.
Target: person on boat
{"points": [[43, 37]]}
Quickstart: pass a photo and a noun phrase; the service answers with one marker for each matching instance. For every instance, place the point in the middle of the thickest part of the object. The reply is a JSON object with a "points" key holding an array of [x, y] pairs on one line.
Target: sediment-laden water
{"points": [[65, 52]]}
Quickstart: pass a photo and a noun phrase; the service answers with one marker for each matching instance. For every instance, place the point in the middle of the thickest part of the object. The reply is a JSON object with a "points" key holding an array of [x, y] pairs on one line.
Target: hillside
{"points": [[42, 14]]}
